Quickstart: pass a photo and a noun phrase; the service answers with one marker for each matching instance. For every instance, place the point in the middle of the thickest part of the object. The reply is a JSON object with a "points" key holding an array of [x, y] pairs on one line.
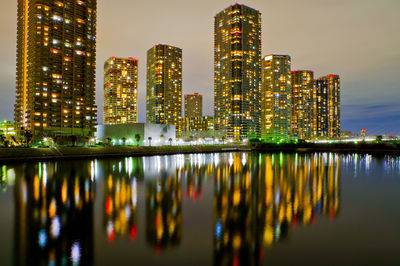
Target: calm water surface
{"points": [[207, 209]]}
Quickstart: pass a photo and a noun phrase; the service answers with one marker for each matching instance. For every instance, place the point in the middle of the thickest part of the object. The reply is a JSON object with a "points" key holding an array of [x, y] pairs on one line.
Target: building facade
{"points": [[164, 85], [193, 105], [56, 63], [137, 134], [275, 98], [7, 128], [120, 91], [237, 55], [327, 107], [198, 127], [302, 103]]}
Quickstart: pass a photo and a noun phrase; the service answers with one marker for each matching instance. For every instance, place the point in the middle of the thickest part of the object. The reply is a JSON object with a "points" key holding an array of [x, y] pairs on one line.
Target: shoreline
{"points": [[87, 153], [71, 153]]}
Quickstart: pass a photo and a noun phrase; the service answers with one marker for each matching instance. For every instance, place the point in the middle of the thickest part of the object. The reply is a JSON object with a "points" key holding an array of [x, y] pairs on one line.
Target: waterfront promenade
{"points": [[58, 153]]}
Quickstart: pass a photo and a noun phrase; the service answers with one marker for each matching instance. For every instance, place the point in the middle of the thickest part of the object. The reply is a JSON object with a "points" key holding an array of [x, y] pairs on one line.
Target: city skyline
{"points": [[376, 101]]}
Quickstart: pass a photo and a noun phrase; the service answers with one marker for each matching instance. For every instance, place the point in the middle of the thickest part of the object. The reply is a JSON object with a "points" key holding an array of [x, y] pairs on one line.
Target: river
{"points": [[202, 209]]}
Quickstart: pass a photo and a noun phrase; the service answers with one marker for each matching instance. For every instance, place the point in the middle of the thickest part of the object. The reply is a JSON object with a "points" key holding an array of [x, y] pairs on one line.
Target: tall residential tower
{"points": [[327, 107], [275, 98], [56, 61], [164, 85], [120, 90], [237, 55], [302, 104]]}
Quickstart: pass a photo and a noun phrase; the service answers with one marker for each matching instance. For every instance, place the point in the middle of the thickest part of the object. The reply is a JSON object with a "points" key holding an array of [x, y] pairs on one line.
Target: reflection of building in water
{"points": [[194, 176], [361, 165], [125, 167], [3, 177], [154, 165], [7, 177], [164, 210], [54, 214], [193, 184], [121, 195], [258, 198]]}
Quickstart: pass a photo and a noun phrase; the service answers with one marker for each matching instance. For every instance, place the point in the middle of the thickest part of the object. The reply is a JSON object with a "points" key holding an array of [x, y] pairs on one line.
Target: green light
{"points": [[40, 170], [4, 173]]}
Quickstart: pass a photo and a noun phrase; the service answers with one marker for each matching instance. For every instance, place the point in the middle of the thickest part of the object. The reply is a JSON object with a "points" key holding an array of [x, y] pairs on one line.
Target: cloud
{"points": [[377, 119], [352, 112]]}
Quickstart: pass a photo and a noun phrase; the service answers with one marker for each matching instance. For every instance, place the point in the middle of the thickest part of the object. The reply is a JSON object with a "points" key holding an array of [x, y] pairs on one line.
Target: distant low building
{"points": [[159, 134], [7, 128], [363, 133], [348, 134], [8, 133], [193, 105], [198, 127]]}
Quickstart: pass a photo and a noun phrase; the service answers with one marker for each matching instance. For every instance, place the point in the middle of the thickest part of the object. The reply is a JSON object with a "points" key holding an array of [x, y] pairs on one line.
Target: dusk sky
{"points": [[357, 39]]}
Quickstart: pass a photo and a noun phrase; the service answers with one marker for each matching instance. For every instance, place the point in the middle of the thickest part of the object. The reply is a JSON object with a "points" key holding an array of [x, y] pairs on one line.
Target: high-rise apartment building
{"points": [[302, 103], [327, 107], [56, 61], [275, 98], [193, 105], [164, 85], [237, 55], [120, 90]]}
